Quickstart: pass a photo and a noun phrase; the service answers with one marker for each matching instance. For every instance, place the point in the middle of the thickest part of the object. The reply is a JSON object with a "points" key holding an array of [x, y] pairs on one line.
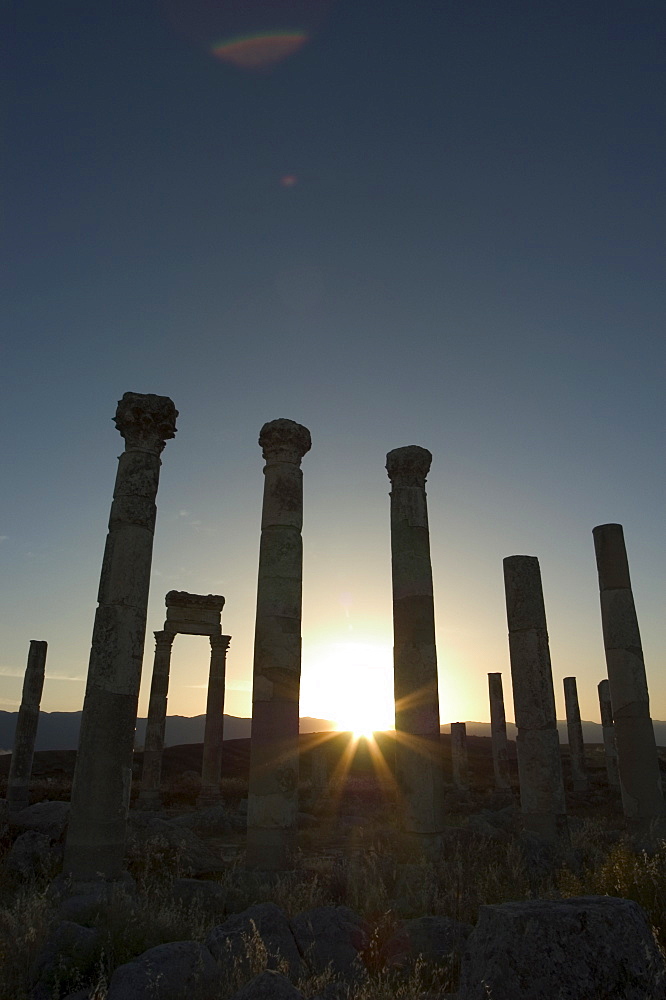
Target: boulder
{"points": [[45, 817], [330, 936], [30, 856], [268, 985], [572, 949], [167, 972], [233, 941], [68, 956]]}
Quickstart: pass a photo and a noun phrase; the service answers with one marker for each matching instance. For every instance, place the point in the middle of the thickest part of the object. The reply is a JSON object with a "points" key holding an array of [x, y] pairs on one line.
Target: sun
{"points": [[350, 683]]}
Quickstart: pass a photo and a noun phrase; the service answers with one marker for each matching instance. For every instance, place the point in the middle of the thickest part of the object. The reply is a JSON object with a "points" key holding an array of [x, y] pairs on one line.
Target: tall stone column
{"points": [[211, 768], [459, 760], [608, 729], [102, 778], [537, 743], [149, 796], [640, 780], [418, 749], [575, 733], [273, 790], [20, 766], [498, 732]]}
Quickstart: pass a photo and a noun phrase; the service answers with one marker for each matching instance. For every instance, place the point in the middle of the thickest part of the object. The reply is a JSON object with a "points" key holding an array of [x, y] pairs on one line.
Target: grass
{"points": [[382, 888]]}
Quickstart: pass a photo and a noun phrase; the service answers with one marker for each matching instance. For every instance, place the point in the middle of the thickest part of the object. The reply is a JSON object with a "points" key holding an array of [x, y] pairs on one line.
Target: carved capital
{"points": [[284, 441], [163, 639], [220, 642], [146, 421], [408, 466]]}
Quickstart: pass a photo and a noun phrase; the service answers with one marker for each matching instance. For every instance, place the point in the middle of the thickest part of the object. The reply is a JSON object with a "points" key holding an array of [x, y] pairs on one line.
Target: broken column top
{"points": [[611, 553], [284, 440], [524, 593], [193, 614], [146, 421], [408, 466]]}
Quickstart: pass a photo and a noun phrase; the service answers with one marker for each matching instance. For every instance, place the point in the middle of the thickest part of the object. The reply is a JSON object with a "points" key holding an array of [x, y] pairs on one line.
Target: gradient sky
{"points": [[435, 224]]}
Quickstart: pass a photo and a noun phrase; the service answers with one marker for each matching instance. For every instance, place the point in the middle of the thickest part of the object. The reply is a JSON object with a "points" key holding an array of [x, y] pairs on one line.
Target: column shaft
{"points": [[498, 732], [273, 789], [537, 743], [102, 779], [20, 766], [459, 759], [608, 730], [640, 779], [153, 748], [575, 733], [211, 768], [418, 746]]}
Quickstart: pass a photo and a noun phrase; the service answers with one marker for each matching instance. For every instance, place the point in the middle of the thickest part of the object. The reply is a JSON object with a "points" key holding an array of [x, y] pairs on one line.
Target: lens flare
{"points": [[260, 50]]}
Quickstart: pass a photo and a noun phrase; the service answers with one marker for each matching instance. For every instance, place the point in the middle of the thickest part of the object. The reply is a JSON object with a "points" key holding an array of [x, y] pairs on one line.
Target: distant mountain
{"points": [[60, 730]]}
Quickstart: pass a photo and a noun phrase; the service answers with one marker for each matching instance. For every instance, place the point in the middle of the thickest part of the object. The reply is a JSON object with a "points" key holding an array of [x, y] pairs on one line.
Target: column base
{"points": [[270, 849]]}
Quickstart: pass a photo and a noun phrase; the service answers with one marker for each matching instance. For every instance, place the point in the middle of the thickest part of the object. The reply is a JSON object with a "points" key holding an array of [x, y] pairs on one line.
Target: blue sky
{"points": [[471, 258]]}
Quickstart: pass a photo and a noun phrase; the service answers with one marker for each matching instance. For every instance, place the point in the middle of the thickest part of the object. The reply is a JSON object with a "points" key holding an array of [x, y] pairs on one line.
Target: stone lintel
{"points": [[181, 599]]}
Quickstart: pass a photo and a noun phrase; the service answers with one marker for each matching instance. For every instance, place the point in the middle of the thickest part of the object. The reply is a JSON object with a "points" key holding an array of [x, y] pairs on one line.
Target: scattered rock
{"points": [[262, 926], [45, 817], [67, 958], [571, 949], [268, 985], [167, 972], [194, 858], [30, 856], [434, 938], [330, 936], [215, 820]]}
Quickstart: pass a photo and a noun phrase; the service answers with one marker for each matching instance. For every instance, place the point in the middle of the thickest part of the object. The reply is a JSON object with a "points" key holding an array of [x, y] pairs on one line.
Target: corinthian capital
{"points": [[408, 466], [146, 421], [284, 441]]}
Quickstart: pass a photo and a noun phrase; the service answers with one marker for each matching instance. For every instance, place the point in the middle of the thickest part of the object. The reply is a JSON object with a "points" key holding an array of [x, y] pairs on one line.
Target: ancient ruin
{"points": [[640, 779], [608, 729], [102, 780], [537, 742], [498, 732], [575, 733], [187, 614], [273, 788], [459, 759], [418, 750], [18, 782]]}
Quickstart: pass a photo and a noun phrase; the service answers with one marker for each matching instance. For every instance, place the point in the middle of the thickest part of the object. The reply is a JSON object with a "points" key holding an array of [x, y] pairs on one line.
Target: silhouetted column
{"points": [[575, 734], [537, 743], [640, 780], [20, 766], [608, 729], [102, 777], [273, 790], [319, 770], [149, 796], [211, 768], [498, 732], [459, 761], [418, 750]]}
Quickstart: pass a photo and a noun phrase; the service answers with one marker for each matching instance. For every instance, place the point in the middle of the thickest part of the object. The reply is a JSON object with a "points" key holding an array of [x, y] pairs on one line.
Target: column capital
{"points": [[408, 466], [220, 641], [284, 441], [146, 421], [163, 638]]}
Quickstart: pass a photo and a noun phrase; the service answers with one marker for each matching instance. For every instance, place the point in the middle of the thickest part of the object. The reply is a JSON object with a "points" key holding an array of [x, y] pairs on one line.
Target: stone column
{"points": [[418, 749], [102, 778], [575, 734], [498, 732], [608, 729], [640, 780], [537, 743], [149, 796], [20, 766], [211, 768], [319, 770], [459, 761], [273, 790]]}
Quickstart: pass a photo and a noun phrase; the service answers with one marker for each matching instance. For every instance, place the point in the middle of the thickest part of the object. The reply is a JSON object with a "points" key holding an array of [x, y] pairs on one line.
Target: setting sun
{"points": [[350, 683]]}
